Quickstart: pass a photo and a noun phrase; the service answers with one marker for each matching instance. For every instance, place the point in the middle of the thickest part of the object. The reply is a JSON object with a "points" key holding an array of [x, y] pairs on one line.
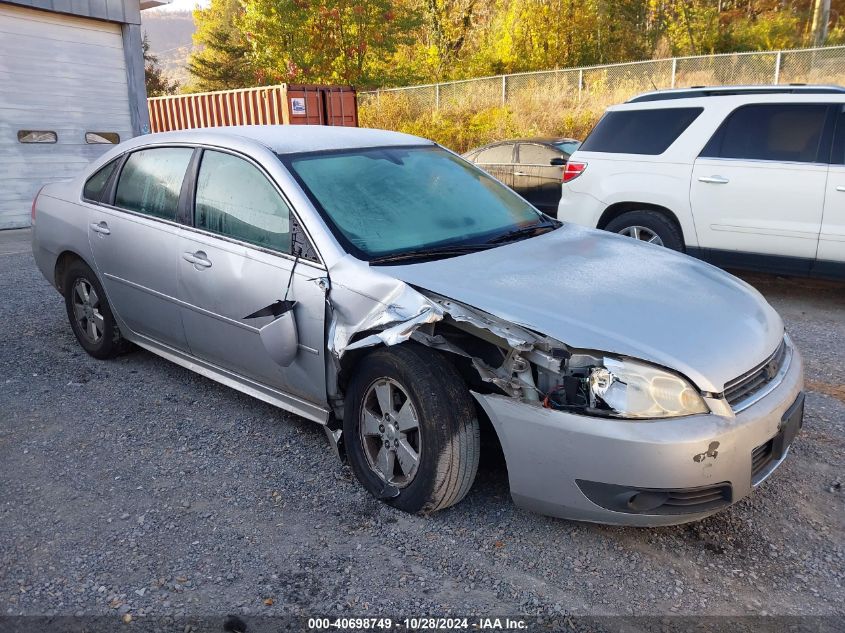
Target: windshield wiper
{"points": [[435, 252], [526, 231]]}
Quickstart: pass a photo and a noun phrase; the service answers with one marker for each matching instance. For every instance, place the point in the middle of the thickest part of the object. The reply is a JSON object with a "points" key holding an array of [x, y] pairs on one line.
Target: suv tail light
{"points": [[34, 200], [573, 170]]}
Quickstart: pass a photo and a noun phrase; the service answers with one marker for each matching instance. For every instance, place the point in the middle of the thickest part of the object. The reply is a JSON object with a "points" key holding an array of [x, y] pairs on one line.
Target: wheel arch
{"points": [[491, 445], [615, 210], [63, 262]]}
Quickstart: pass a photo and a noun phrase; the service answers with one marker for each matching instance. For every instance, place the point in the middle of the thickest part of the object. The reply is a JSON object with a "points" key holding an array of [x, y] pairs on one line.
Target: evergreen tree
{"points": [[222, 58], [156, 81]]}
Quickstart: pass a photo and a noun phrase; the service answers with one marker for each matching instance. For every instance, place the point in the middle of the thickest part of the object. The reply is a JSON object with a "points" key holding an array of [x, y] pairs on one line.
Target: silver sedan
{"points": [[384, 288]]}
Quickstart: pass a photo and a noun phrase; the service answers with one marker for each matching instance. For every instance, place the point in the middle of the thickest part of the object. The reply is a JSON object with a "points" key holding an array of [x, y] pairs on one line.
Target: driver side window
{"points": [[234, 199]]}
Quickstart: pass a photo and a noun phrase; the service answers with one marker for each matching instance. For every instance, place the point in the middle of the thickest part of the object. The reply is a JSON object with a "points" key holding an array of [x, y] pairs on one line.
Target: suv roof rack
{"points": [[722, 91]]}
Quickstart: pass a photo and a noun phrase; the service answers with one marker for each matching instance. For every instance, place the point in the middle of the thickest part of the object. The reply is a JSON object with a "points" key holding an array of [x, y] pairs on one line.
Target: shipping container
{"points": [[268, 105]]}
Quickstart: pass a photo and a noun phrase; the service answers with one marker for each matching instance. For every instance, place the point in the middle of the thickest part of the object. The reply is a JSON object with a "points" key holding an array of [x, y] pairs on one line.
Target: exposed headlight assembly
{"points": [[631, 389]]}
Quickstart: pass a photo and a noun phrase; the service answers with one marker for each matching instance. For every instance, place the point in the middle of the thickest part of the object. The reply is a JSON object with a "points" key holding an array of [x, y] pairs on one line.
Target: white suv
{"points": [[742, 177]]}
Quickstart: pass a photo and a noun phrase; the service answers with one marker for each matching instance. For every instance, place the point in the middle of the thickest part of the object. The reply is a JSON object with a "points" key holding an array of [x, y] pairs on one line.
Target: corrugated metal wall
{"points": [[270, 105], [62, 74]]}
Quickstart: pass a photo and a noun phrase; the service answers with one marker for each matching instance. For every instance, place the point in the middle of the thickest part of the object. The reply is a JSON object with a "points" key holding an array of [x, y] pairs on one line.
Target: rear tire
{"points": [[89, 313], [425, 395], [647, 225]]}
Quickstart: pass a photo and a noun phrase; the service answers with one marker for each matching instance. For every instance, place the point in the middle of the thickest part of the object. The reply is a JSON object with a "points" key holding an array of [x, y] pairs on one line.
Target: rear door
{"points": [[134, 236], [497, 160], [237, 264], [830, 258], [535, 178], [758, 187]]}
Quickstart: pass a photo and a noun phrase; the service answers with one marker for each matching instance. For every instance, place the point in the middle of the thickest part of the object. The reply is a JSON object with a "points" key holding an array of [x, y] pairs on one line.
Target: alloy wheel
{"points": [[642, 234], [389, 431], [86, 310]]}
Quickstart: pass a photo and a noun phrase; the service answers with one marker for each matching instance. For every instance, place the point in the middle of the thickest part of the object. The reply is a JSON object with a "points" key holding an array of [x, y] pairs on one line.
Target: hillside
{"points": [[169, 34]]}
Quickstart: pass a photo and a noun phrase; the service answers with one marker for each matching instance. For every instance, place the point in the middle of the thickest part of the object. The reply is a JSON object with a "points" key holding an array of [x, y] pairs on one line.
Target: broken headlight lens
{"points": [[631, 389]]}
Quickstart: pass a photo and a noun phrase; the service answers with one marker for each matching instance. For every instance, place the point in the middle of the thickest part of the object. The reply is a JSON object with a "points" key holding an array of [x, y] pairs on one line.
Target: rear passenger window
{"points": [[94, 186], [648, 132], [236, 200], [530, 154], [495, 155], [778, 132], [151, 180]]}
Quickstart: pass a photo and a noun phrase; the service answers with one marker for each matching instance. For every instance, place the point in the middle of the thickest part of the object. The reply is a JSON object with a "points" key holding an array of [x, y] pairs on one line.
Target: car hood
{"points": [[595, 290]]}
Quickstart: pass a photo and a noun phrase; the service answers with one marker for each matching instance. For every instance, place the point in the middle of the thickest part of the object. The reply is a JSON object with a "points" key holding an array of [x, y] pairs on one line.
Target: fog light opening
{"points": [[646, 501]]}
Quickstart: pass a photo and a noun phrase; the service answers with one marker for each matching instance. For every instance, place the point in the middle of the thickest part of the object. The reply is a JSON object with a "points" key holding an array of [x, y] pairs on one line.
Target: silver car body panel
{"points": [[572, 288], [594, 290], [546, 450], [138, 258]]}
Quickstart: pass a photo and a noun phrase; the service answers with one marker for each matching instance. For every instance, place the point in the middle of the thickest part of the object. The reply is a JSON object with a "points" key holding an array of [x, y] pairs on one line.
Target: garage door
{"points": [[61, 78]]}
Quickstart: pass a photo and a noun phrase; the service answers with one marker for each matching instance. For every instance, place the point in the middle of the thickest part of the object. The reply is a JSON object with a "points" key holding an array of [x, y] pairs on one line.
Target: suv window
{"points": [[531, 154], [93, 189], [648, 132], [236, 200], [779, 132], [151, 180], [497, 154]]}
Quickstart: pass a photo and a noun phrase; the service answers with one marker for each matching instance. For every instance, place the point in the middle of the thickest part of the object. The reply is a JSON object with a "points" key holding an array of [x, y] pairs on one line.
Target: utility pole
{"points": [[821, 16]]}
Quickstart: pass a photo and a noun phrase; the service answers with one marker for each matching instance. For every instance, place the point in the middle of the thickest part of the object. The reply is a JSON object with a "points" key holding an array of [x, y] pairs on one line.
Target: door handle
{"points": [[714, 180], [841, 188], [199, 259], [100, 227], [519, 173]]}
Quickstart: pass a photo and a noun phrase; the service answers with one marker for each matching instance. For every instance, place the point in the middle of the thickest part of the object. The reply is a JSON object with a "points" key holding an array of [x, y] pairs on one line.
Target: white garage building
{"points": [[71, 83]]}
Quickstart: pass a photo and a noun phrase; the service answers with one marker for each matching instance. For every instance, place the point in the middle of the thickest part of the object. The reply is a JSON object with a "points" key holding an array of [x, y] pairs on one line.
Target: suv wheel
{"points": [[648, 226], [412, 436]]}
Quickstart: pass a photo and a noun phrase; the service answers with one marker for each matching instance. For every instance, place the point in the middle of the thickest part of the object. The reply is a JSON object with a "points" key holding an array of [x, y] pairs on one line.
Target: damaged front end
{"points": [[495, 355]]}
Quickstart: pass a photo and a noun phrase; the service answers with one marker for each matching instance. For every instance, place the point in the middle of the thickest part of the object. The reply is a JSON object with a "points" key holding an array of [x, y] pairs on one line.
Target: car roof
{"points": [[290, 139], [731, 91], [548, 140]]}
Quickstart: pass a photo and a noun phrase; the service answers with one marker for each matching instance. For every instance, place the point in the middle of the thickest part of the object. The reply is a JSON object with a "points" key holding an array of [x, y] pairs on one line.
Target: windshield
{"points": [[568, 147], [393, 200]]}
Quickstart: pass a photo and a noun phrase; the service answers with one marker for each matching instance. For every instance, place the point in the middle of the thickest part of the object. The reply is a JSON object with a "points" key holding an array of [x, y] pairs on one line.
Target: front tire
{"points": [[412, 435], [648, 226], [90, 314]]}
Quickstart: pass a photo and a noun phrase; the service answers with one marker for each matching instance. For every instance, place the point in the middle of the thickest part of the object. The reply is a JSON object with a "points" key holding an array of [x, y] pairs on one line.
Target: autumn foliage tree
{"points": [[372, 43], [326, 41]]}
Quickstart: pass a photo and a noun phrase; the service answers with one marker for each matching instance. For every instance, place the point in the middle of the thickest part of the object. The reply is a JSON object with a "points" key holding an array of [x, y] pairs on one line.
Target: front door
{"points": [[758, 187], [135, 241], [535, 178], [235, 265]]}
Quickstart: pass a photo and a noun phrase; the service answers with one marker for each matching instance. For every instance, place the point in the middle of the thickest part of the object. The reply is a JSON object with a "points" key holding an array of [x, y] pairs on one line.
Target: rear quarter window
{"points": [[648, 132], [95, 185]]}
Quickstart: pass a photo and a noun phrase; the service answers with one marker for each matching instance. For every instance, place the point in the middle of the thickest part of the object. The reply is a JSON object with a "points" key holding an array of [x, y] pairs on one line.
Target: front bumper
{"points": [[548, 452]]}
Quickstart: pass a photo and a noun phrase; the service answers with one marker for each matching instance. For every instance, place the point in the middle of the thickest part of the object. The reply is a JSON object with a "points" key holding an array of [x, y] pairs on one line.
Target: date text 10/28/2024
{"points": [[418, 624]]}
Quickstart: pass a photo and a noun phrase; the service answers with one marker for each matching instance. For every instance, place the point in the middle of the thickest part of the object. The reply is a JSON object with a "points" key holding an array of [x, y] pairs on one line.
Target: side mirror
{"points": [[557, 161]]}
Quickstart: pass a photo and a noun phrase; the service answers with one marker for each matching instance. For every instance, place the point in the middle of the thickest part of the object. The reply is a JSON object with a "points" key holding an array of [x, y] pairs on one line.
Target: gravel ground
{"points": [[135, 486]]}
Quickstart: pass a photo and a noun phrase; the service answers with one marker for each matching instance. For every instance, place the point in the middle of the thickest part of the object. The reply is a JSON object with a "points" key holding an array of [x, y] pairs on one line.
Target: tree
{"points": [[327, 41], [223, 57], [821, 17], [155, 80]]}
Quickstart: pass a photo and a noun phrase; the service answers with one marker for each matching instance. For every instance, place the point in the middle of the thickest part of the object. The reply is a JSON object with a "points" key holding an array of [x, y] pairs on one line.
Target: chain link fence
{"points": [[615, 83]]}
